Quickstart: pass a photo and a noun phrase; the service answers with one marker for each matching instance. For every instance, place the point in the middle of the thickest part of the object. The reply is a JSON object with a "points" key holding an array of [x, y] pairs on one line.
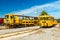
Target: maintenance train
{"points": [[14, 21]]}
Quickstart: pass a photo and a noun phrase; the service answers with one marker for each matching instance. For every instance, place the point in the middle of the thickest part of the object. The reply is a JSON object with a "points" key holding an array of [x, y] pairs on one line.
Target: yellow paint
{"points": [[46, 21], [16, 20]]}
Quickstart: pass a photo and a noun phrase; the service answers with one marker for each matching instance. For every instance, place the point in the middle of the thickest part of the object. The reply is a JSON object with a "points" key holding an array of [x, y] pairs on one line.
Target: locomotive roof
{"points": [[20, 15]]}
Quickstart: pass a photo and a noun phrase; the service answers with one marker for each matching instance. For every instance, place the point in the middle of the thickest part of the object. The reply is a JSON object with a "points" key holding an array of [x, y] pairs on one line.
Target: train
{"points": [[1, 21], [14, 21], [47, 21]]}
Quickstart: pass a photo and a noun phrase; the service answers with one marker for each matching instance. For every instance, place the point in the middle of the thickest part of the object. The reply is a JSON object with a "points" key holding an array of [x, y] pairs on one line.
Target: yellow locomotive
{"points": [[14, 21], [47, 21]]}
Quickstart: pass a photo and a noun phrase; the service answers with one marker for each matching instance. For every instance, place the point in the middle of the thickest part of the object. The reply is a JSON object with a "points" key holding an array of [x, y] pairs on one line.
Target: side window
{"points": [[31, 18], [6, 16], [36, 18], [49, 18], [21, 18], [12, 17]]}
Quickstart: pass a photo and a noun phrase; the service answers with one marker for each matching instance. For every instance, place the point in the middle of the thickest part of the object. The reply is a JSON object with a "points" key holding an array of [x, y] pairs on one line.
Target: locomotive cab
{"points": [[46, 21], [11, 19]]}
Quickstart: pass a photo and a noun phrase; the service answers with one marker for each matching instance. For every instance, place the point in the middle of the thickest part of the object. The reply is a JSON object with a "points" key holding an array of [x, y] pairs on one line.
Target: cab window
{"points": [[6, 16], [12, 17]]}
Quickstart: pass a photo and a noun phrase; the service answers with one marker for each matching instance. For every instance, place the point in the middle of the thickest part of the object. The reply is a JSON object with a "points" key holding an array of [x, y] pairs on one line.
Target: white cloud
{"points": [[51, 8]]}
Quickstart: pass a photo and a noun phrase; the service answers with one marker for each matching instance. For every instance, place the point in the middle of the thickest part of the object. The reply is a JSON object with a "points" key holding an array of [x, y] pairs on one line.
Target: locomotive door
{"points": [[12, 19]]}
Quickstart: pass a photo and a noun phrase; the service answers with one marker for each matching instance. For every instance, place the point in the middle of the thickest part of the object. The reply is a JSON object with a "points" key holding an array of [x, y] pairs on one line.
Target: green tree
{"points": [[43, 13]]}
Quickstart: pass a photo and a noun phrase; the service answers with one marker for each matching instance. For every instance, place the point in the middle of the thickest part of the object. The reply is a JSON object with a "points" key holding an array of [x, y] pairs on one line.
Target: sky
{"points": [[30, 7]]}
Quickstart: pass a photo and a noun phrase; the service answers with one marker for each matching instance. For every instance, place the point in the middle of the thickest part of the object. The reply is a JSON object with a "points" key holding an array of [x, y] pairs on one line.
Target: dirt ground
{"points": [[43, 34]]}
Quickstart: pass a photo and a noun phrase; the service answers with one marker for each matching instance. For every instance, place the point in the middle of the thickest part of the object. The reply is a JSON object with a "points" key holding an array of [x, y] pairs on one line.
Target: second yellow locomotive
{"points": [[47, 21]]}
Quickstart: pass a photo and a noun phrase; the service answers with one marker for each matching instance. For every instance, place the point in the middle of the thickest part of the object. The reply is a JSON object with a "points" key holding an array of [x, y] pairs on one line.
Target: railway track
{"points": [[21, 32], [17, 29], [18, 33]]}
